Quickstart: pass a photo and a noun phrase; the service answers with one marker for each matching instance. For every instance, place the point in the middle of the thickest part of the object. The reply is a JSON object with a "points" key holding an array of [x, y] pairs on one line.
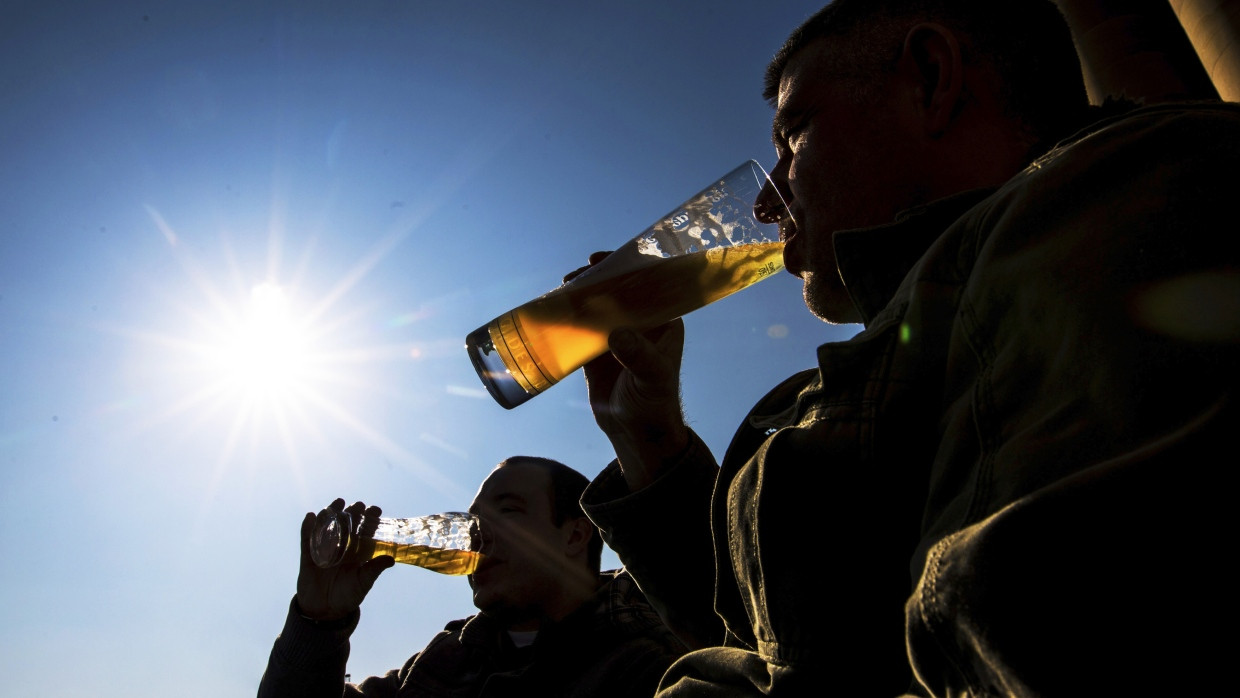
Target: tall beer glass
{"points": [[709, 247], [447, 543]]}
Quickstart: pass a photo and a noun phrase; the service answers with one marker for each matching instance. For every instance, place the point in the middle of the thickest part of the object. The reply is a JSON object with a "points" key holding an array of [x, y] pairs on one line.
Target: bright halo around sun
{"points": [[267, 355], [267, 371]]}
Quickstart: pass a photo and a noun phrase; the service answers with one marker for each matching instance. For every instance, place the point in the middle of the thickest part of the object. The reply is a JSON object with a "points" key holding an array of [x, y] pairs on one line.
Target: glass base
{"points": [[492, 370], [332, 537]]}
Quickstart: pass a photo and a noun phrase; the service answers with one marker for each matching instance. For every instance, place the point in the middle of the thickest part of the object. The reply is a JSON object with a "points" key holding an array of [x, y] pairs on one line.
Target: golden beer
{"points": [[548, 338], [442, 560], [438, 542]]}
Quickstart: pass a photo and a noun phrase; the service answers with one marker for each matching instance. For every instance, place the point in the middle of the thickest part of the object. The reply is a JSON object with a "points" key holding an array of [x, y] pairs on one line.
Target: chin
{"points": [[482, 599], [828, 301]]}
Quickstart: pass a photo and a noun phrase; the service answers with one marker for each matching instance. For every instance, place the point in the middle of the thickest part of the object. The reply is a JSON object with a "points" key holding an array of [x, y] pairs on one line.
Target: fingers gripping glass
{"points": [[448, 543], [709, 247]]}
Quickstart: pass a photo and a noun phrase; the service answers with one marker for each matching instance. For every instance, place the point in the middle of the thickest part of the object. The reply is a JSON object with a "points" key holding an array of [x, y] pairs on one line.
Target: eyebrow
{"points": [[498, 500], [509, 497], [783, 120]]}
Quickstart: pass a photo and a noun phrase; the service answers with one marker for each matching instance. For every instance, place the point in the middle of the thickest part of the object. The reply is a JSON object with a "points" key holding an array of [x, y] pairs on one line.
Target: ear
{"points": [[931, 59], [577, 534]]}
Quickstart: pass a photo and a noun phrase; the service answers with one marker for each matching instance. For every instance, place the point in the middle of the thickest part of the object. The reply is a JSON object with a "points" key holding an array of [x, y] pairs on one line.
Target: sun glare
{"points": [[284, 365], [266, 354]]}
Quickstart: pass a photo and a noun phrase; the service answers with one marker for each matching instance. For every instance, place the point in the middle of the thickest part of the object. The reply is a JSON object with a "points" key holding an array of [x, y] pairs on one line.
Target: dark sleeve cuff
{"points": [[308, 658], [607, 500], [662, 535], [305, 642]]}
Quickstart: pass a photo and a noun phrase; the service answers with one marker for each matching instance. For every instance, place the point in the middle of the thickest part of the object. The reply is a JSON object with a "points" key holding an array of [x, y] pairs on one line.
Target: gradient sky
{"points": [[380, 176]]}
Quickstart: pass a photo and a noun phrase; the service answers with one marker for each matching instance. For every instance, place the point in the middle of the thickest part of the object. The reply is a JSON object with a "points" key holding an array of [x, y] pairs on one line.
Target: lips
{"points": [[792, 257], [484, 569]]}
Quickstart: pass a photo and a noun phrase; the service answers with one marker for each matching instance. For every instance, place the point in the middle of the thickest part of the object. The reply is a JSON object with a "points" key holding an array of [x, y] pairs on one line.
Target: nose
{"points": [[770, 205], [481, 537]]}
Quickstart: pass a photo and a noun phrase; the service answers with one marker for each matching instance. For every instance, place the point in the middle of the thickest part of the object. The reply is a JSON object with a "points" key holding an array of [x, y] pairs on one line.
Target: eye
{"points": [[794, 137]]}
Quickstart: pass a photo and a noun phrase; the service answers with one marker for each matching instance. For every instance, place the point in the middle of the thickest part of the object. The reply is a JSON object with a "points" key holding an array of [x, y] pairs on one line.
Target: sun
{"points": [[272, 368], [266, 354]]}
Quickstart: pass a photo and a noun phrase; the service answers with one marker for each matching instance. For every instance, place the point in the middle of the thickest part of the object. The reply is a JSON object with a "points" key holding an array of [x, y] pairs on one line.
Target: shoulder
{"points": [[1148, 179], [620, 590], [1140, 140], [782, 396], [625, 606]]}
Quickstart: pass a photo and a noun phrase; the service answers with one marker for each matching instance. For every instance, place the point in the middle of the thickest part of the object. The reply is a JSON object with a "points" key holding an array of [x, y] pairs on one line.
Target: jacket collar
{"points": [[873, 261]]}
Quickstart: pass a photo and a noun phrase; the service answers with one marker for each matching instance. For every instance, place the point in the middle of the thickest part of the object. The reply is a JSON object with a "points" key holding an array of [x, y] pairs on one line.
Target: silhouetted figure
{"points": [[549, 622], [1010, 482]]}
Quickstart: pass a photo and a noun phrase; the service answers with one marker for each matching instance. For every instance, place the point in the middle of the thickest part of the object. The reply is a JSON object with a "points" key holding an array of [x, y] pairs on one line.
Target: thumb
{"points": [[307, 530]]}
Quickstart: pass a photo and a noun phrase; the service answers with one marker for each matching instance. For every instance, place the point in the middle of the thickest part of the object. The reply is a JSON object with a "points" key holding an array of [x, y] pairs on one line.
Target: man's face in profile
{"points": [[523, 550], [843, 163]]}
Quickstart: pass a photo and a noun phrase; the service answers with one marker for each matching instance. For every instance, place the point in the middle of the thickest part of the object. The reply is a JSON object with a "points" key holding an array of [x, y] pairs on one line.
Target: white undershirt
{"points": [[522, 638]]}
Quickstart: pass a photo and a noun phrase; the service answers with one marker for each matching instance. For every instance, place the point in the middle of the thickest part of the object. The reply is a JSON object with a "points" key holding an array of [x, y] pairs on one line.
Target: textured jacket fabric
{"points": [[1010, 481], [615, 645]]}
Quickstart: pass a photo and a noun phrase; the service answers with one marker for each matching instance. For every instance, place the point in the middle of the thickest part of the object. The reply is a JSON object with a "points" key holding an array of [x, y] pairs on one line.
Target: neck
{"points": [[578, 586]]}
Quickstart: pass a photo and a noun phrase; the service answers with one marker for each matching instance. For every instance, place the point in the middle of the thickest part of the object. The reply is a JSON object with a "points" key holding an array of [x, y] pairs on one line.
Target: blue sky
{"points": [[389, 175]]}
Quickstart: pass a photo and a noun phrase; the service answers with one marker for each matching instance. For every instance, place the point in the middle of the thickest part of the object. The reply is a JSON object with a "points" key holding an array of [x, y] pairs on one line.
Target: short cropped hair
{"points": [[1028, 42], [567, 486]]}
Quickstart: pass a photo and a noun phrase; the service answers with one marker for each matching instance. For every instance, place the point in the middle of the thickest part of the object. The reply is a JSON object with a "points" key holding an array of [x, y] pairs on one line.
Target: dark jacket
{"points": [[613, 645], [1018, 446]]}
